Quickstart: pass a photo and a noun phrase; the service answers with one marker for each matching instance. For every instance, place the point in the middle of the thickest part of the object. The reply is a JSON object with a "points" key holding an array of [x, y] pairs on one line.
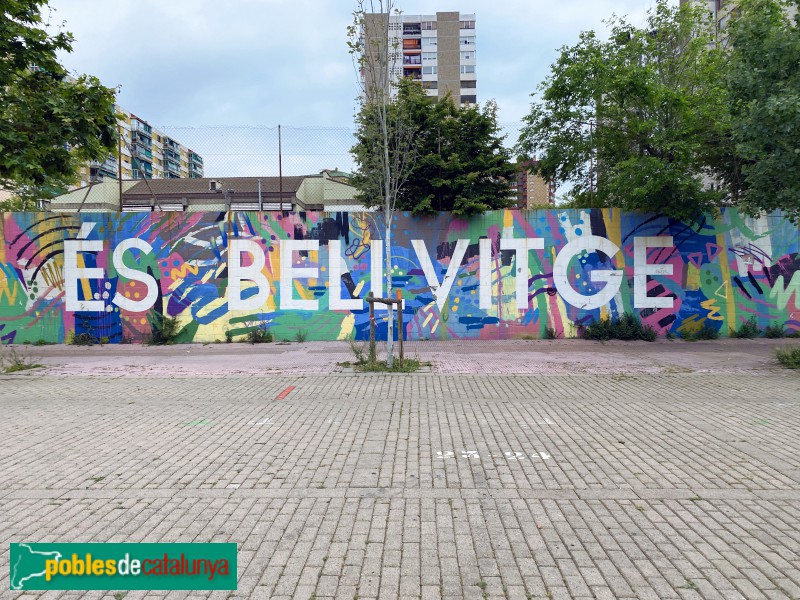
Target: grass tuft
{"points": [[789, 357]]}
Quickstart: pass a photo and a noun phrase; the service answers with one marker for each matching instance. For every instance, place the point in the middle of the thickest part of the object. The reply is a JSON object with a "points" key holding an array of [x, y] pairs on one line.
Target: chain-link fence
{"points": [[179, 168], [271, 151]]}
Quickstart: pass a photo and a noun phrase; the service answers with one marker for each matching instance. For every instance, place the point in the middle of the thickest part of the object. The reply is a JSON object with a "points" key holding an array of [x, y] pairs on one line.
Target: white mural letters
{"points": [[238, 273], [289, 272], [72, 273], [118, 260], [613, 279], [440, 290], [521, 247], [641, 270]]}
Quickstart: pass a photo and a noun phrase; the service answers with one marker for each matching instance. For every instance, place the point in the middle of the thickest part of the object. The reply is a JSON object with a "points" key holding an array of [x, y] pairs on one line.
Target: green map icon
{"points": [[27, 564]]}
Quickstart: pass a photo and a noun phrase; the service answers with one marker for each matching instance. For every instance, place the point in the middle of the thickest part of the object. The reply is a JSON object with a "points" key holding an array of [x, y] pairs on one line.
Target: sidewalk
{"points": [[557, 357]]}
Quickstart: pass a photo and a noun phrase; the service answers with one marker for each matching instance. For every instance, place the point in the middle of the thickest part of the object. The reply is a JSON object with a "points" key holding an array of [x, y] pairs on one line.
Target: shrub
{"points": [[228, 337], [626, 327], [163, 331], [707, 332], [259, 335], [789, 357], [551, 333], [775, 330], [747, 330], [82, 339], [301, 336]]}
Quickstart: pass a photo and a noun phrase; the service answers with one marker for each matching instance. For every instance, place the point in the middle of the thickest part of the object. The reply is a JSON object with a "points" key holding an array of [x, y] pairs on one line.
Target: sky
{"points": [[192, 66]]}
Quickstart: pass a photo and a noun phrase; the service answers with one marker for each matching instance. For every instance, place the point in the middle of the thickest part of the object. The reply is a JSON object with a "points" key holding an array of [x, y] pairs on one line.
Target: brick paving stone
{"points": [[551, 485]]}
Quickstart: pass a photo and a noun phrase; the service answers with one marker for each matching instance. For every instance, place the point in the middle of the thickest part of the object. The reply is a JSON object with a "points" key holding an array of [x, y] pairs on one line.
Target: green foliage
{"points": [[551, 333], [228, 337], [632, 121], [259, 335], [458, 163], [163, 330], [763, 80], [301, 336], [408, 365], [747, 330], [49, 124], [789, 357], [775, 330], [81, 339], [627, 327], [706, 332]]}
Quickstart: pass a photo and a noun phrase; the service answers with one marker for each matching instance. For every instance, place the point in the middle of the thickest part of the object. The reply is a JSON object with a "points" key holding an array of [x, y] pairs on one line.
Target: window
{"points": [[468, 41], [467, 24], [430, 85], [428, 56], [430, 70], [467, 55], [411, 44], [469, 99], [429, 25], [465, 84], [412, 59], [429, 41], [467, 69]]}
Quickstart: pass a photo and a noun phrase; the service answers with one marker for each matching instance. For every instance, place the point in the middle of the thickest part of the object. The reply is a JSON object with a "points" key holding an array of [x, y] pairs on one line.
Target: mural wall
{"points": [[502, 275]]}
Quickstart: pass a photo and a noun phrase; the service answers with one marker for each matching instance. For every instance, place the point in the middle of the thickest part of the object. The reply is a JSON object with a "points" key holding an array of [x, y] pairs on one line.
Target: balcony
{"points": [[414, 73], [170, 143], [170, 154], [137, 125], [412, 29], [143, 152], [141, 138], [194, 157], [172, 167]]}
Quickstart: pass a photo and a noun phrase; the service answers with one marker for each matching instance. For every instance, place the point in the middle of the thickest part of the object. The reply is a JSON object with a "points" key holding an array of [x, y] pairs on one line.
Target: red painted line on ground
{"points": [[284, 393]]}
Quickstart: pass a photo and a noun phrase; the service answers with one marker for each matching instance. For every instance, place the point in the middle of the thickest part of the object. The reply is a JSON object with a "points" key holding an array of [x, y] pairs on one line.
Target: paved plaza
{"points": [[573, 470]]}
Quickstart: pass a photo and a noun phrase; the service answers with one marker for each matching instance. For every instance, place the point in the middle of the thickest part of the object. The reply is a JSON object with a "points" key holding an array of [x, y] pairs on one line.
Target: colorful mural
{"points": [[497, 276]]}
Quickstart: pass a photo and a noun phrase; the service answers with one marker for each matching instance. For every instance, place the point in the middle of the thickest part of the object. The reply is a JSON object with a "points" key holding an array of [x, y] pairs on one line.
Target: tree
{"points": [[461, 164], [763, 80], [386, 130], [638, 121], [49, 123]]}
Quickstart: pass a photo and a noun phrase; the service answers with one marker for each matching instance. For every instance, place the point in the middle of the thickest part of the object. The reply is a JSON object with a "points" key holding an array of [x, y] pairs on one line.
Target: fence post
{"points": [[399, 297], [372, 354]]}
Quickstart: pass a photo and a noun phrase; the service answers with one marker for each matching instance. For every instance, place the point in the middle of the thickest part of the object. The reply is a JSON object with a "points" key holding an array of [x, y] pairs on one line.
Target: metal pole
{"points": [[372, 357], [119, 164], [399, 297], [260, 203], [280, 166]]}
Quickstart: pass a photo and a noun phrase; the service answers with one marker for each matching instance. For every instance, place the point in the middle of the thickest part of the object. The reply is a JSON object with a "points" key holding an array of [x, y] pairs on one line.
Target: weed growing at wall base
{"points": [[789, 358], [747, 330], [12, 361], [627, 327]]}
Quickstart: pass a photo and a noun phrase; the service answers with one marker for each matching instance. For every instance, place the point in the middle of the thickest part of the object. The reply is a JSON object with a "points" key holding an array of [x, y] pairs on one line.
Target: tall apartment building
{"points": [[722, 10], [146, 152], [532, 191], [437, 50]]}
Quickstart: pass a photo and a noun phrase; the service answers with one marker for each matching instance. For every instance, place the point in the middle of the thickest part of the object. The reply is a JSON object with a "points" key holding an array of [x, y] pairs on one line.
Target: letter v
{"points": [[440, 291]]}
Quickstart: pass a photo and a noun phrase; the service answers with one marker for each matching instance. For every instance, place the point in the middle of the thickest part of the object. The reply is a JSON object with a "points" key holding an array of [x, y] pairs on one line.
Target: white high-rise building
{"points": [[437, 50]]}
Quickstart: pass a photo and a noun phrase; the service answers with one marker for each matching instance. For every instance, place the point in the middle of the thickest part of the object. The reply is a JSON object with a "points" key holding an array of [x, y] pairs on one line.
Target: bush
{"points": [[551, 333], [627, 327], [82, 339], [789, 357], [747, 330], [301, 336], [775, 330], [259, 335], [163, 331], [707, 332], [228, 337]]}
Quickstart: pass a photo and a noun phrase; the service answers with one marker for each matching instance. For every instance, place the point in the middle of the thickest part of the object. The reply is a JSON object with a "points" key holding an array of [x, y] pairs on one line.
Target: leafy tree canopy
{"points": [[638, 121], [763, 81], [459, 161], [49, 123]]}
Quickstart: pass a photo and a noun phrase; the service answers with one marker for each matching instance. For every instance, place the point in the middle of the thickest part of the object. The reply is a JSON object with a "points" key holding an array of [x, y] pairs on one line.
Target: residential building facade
{"points": [[438, 50], [146, 153], [530, 190]]}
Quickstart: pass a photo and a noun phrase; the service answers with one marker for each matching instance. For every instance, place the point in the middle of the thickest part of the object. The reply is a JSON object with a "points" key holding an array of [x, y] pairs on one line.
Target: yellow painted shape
{"points": [[359, 287], [713, 310], [348, 326], [508, 218], [87, 289], [692, 278], [6, 290], [726, 277]]}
